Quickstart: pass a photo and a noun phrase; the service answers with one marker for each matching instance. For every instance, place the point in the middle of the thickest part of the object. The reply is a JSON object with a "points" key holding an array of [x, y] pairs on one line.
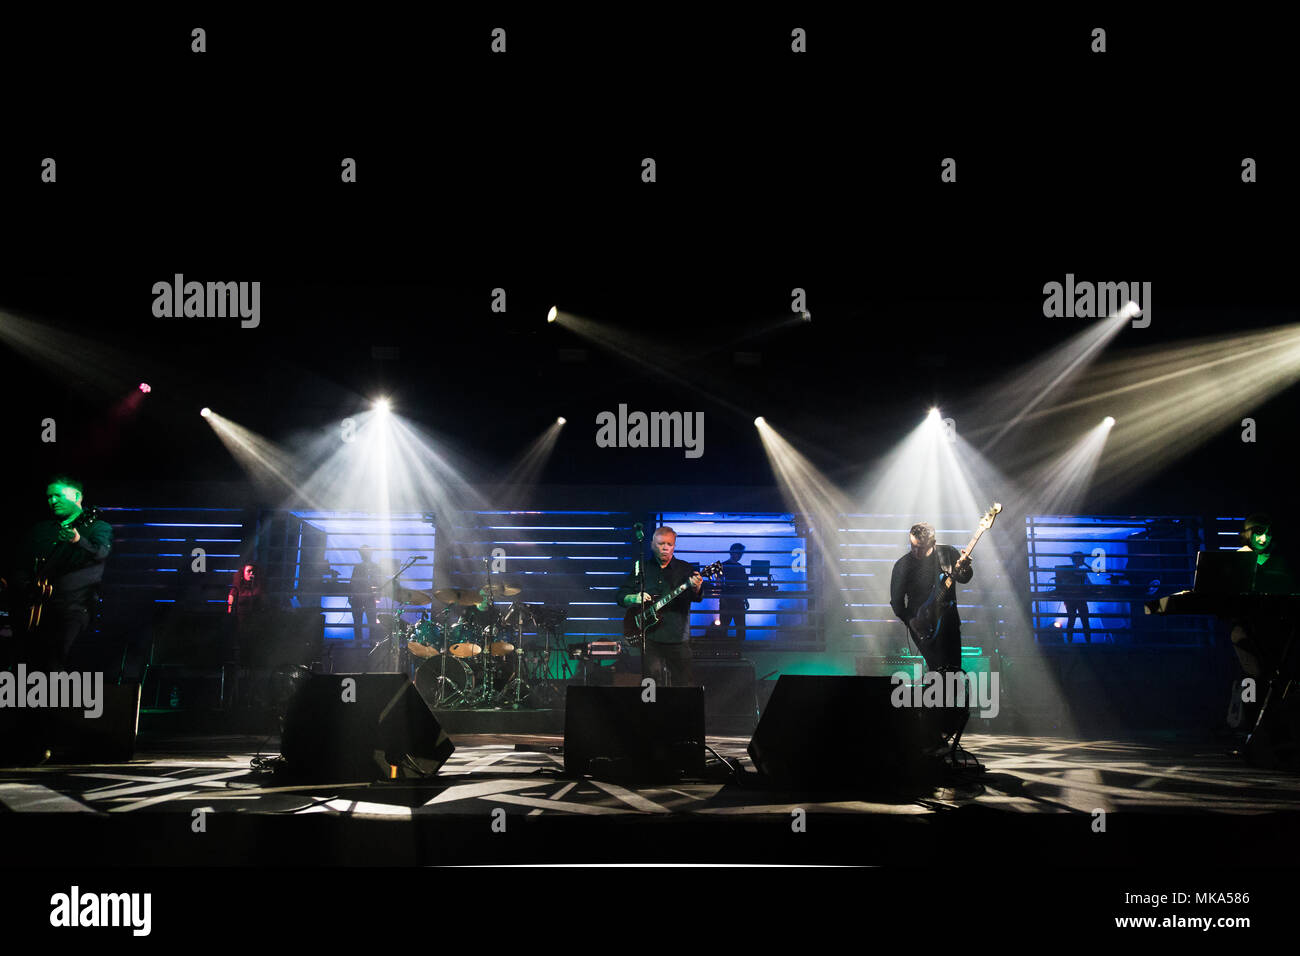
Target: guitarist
{"points": [[913, 580], [69, 551], [666, 654]]}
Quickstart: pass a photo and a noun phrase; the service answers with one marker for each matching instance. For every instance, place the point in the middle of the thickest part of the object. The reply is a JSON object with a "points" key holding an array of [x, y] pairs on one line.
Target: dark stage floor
{"points": [[1165, 800]]}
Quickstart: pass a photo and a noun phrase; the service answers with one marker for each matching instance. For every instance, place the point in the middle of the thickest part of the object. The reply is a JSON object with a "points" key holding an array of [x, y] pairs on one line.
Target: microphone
{"points": [[420, 557]]}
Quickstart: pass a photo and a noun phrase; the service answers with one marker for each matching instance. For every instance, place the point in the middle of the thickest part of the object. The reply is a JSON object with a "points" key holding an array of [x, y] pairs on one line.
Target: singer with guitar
{"points": [[59, 575], [666, 651]]}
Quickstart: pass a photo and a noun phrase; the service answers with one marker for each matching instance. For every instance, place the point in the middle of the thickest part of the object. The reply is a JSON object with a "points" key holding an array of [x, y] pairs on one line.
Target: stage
{"points": [[504, 799]]}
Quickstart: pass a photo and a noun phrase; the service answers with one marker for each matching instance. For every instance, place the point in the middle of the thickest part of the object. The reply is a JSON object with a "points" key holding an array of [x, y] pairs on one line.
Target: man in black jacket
{"points": [[915, 576], [666, 654], [69, 551]]}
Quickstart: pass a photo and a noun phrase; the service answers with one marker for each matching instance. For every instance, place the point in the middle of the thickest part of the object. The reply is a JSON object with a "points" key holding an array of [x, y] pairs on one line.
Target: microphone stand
{"points": [[640, 582], [403, 660]]}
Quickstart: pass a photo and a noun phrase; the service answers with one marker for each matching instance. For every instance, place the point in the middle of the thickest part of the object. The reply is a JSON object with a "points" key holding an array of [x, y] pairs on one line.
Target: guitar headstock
{"points": [[711, 571], [986, 522]]}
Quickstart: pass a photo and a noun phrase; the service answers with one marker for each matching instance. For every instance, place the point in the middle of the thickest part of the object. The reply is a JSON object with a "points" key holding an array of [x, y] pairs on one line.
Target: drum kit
{"points": [[474, 658]]}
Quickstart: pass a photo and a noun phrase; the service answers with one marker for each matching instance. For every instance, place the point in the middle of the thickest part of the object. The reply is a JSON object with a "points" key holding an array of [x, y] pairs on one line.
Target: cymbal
{"points": [[467, 597], [408, 596]]}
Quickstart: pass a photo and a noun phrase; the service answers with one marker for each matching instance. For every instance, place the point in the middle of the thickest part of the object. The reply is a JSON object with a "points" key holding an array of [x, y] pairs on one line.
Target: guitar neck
{"points": [[671, 595], [970, 545]]}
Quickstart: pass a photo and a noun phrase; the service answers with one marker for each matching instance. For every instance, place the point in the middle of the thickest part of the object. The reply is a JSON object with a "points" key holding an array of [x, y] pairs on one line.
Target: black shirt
{"points": [[675, 617], [75, 570], [364, 584], [735, 581], [914, 578]]}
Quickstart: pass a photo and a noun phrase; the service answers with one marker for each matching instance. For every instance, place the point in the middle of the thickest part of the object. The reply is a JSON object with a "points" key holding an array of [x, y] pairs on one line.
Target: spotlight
{"points": [[205, 412], [1108, 421], [760, 421], [1130, 310], [934, 414], [806, 316], [144, 387], [551, 316], [381, 404], [561, 420]]}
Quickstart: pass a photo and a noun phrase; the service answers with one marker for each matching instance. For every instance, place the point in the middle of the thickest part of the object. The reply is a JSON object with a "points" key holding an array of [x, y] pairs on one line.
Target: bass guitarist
{"points": [[912, 584], [666, 654]]}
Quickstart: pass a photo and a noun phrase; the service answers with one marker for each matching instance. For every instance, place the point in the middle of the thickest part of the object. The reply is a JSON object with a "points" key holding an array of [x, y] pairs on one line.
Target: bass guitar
{"points": [[645, 617], [925, 624]]}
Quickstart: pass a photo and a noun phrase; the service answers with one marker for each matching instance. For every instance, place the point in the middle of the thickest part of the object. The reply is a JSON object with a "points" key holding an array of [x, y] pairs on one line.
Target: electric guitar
{"points": [[643, 618], [924, 625], [42, 587]]}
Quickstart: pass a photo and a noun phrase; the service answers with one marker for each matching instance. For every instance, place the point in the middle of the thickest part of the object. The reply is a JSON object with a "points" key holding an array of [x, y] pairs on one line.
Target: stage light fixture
{"points": [[561, 420], [205, 412], [806, 316], [1108, 421], [760, 421], [144, 387], [1130, 310], [382, 405], [934, 414], [553, 314]]}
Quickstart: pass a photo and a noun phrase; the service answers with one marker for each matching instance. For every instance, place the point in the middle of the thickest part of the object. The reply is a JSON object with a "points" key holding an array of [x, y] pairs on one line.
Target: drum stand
{"points": [[441, 697], [401, 660], [517, 682]]}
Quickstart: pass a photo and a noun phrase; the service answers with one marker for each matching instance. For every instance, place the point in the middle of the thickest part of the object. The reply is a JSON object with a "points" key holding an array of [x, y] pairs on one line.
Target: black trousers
{"points": [[728, 611], [49, 648], [363, 611], [943, 652], [1078, 609], [668, 664], [28, 732]]}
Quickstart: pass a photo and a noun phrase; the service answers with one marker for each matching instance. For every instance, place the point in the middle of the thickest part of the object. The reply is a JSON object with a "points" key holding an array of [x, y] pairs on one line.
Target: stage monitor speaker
{"points": [[72, 736], [614, 732], [831, 732], [357, 727], [110, 737]]}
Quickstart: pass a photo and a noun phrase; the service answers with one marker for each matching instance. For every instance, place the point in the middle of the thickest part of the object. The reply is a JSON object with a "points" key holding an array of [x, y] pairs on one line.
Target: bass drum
{"points": [[444, 693]]}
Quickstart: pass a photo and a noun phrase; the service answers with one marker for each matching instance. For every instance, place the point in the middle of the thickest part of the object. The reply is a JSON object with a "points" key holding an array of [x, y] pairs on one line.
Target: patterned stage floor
{"points": [[1175, 786]]}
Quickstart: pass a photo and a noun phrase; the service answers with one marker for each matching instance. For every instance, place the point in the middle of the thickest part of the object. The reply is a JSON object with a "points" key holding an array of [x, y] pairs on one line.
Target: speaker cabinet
{"points": [[613, 732], [70, 734], [110, 737], [833, 732], [357, 727]]}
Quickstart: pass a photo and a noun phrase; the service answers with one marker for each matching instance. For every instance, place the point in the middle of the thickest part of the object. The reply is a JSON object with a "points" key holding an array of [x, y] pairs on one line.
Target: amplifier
{"points": [[888, 665]]}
